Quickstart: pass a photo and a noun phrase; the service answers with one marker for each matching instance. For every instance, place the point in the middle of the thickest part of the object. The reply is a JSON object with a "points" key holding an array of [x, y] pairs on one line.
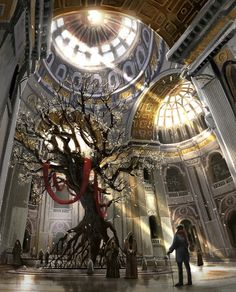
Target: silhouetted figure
{"points": [[180, 245], [16, 252], [90, 268], [130, 249], [41, 255], [111, 255], [199, 258], [144, 264], [46, 257]]}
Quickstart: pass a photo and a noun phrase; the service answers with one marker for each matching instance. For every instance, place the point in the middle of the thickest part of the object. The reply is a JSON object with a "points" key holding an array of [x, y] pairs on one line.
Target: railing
{"points": [[61, 210], [177, 194], [222, 182]]}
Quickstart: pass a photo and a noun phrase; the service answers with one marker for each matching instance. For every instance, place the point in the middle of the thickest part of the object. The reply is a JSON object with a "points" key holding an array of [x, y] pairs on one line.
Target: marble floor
{"points": [[214, 278]]}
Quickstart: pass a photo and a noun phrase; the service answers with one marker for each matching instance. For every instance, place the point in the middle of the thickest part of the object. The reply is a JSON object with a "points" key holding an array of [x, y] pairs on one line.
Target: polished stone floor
{"points": [[213, 278]]}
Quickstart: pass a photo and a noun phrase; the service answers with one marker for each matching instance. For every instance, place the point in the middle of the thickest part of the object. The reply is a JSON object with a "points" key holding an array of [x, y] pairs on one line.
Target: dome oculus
{"points": [[94, 39]]}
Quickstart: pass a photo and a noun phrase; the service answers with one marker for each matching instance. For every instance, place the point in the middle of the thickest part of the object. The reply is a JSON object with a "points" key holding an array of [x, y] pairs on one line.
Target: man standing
{"points": [[180, 245]]}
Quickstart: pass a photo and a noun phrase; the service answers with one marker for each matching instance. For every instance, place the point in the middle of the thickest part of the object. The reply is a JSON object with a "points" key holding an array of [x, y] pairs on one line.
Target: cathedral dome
{"points": [[116, 52], [94, 39], [180, 116]]}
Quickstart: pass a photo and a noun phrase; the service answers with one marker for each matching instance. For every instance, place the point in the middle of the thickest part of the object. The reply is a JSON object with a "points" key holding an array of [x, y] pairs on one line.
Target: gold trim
{"points": [[209, 37], [169, 22], [144, 119], [211, 138]]}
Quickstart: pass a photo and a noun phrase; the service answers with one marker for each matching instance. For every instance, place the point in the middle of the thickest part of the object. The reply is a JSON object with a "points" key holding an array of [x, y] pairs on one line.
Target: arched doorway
{"points": [[232, 228], [56, 239], [26, 241]]}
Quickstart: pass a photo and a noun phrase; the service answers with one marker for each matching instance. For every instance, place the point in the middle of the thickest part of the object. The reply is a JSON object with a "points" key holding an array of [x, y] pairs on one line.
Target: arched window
{"points": [[170, 135], [61, 72], [153, 226], [129, 71], [179, 135], [232, 228], [76, 80], [160, 136], [146, 36], [140, 56], [195, 126], [187, 131], [218, 168], [175, 181]]}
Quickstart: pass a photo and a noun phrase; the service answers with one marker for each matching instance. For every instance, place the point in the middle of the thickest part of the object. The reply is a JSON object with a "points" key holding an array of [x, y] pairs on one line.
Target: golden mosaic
{"points": [[143, 123]]}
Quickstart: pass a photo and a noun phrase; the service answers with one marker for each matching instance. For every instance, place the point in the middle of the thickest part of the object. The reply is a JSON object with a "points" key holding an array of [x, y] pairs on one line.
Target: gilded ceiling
{"points": [[143, 126], [169, 18]]}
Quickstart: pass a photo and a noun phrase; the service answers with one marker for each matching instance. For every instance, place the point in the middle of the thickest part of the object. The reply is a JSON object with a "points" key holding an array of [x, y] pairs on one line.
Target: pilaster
{"points": [[212, 94], [163, 209]]}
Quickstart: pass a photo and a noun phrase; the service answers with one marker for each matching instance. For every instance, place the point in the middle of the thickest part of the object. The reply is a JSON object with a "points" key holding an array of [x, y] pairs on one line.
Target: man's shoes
{"points": [[189, 284], [178, 284]]}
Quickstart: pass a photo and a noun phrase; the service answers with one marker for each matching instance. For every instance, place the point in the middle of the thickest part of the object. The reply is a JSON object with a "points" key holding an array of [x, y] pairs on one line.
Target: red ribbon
{"points": [[85, 180]]}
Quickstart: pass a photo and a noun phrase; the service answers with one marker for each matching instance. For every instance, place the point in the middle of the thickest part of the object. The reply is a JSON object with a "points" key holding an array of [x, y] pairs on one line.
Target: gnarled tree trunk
{"points": [[84, 240]]}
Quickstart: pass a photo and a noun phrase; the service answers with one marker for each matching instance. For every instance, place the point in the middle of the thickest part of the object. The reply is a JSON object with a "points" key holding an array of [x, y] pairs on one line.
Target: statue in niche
{"points": [[112, 260], [130, 249]]}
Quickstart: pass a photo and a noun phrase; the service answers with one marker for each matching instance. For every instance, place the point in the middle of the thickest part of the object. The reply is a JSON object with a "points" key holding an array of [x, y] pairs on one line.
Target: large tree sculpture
{"points": [[55, 138]]}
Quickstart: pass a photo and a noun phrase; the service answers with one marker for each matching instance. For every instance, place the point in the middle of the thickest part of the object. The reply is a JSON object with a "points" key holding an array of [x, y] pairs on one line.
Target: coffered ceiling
{"points": [[169, 18]]}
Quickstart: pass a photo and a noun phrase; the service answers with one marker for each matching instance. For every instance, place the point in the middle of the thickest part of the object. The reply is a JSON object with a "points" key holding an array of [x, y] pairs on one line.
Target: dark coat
{"points": [[180, 245], [111, 254], [130, 249], [17, 261]]}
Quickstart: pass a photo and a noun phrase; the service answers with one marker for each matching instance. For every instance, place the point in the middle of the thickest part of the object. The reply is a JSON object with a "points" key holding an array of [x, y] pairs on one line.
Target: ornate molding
{"points": [[183, 212], [226, 204], [202, 31], [167, 19], [144, 119], [193, 162]]}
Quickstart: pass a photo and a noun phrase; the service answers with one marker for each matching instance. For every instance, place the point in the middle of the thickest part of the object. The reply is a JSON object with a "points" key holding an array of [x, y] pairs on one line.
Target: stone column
{"points": [[142, 213], [120, 215], [44, 236], [7, 130], [15, 204], [216, 243], [163, 209], [212, 94], [131, 215]]}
